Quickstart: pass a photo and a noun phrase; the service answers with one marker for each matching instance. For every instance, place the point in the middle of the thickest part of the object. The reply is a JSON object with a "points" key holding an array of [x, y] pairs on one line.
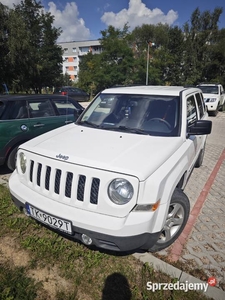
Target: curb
{"points": [[159, 265]]}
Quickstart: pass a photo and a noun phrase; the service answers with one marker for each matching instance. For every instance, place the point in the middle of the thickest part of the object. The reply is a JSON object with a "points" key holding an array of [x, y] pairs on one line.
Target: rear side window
{"points": [[15, 111], [191, 110], [201, 105], [65, 107], [40, 109]]}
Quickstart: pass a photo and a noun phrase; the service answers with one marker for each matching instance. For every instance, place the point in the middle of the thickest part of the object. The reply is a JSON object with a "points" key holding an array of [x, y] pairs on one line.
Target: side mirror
{"points": [[200, 127]]}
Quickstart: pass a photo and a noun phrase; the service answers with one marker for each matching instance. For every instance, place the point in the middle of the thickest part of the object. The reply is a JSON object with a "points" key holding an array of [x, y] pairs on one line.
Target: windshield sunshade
{"points": [[138, 114]]}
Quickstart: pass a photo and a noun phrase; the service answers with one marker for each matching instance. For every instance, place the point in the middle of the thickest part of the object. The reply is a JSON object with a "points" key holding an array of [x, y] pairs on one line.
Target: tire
{"points": [[214, 112], [222, 108], [11, 161], [176, 220], [199, 161]]}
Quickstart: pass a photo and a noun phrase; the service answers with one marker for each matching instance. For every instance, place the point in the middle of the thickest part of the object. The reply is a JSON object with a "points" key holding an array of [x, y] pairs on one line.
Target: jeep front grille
{"points": [[44, 176], [94, 190], [69, 180], [80, 188]]}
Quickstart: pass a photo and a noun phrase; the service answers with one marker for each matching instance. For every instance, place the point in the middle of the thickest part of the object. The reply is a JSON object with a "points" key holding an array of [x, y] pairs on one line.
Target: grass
{"points": [[14, 284], [189, 268], [74, 271]]}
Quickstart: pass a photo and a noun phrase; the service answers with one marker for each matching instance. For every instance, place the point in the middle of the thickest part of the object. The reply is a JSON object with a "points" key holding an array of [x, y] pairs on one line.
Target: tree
{"points": [[114, 66], [175, 56], [34, 56], [117, 58], [88, 78], [4, 57], [201, 34], [214, 69], [50, 54]]}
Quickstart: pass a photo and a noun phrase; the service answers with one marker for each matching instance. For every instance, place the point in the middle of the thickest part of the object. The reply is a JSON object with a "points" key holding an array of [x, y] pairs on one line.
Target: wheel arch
{"points": [[182, 181], [15, 142]]}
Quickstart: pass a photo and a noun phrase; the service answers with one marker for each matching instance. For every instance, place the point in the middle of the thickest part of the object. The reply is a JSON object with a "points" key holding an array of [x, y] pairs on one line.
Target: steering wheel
{"points": [[161, 120]]}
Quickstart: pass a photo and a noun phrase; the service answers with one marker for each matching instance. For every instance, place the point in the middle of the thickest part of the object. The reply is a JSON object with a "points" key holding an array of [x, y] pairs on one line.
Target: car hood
{"points": [[206, 96], [126, 153]]}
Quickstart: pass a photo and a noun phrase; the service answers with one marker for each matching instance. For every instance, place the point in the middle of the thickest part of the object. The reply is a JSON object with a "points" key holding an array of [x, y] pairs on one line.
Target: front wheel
{"points": [[176, 220]]}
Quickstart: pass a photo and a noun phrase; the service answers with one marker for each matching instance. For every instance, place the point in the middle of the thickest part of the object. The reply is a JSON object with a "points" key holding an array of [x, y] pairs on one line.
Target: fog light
{"points": [[86, 239], [25, 212]]}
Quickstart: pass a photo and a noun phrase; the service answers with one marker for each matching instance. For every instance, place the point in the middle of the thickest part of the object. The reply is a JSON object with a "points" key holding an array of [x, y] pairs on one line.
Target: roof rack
{"points": [[126, 85], [208, 83]]}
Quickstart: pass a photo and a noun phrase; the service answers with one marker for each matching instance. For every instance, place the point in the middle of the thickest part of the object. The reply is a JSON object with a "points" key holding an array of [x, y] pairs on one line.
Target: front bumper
{"points": [[107, 242], [107, 232], [211, 106]]}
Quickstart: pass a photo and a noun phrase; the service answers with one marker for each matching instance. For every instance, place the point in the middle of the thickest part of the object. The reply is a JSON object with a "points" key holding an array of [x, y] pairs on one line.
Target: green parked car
{"points": [[25, 117]]}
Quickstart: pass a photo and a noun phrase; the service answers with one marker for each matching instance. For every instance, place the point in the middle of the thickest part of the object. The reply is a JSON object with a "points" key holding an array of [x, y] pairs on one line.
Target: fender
{"points": [[16, 141]]}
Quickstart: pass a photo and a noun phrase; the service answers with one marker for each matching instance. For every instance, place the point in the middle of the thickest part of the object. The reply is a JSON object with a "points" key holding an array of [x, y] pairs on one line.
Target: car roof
{"points": [[70, 87], [150, 90], [31, 97], [209, 84]]}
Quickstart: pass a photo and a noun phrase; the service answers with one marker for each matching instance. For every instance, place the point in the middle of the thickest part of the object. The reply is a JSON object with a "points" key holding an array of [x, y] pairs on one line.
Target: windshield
{"points": [[209, 89], [140, 114]]}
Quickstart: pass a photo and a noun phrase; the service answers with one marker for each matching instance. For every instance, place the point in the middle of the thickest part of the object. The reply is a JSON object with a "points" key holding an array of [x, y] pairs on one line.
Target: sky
{"points": [[85, 19]]}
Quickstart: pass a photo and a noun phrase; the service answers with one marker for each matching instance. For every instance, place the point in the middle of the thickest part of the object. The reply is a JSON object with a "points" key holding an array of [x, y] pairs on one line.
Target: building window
{"points": [[84, 49], [65, 50], [66, 59], [74, 49]]}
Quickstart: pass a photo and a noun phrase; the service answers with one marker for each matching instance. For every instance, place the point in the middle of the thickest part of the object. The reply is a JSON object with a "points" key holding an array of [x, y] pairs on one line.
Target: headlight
{"points": [[120, 191], [212, 99], [23, 162]]}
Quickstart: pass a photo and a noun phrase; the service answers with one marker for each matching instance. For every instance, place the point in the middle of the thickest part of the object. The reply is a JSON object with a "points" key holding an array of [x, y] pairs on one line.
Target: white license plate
{"points": [[48, 219]]}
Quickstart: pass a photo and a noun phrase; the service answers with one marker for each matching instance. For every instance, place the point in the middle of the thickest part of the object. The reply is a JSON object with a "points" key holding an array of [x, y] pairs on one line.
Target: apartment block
{"points": [[73, 53]]}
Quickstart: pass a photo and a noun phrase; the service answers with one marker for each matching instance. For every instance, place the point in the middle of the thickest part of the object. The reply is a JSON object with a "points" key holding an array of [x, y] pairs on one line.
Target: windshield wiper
{"points": [[126, 129], [90, 124]]}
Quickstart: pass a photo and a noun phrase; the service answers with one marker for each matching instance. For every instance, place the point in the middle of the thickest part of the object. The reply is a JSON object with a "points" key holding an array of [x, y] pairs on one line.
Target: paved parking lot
{"points": [[203, 240], [206, 243]]}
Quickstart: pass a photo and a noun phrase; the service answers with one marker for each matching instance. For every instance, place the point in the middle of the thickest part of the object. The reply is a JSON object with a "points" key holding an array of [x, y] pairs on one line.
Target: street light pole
{"points": [[147, 64], [150, 44]]}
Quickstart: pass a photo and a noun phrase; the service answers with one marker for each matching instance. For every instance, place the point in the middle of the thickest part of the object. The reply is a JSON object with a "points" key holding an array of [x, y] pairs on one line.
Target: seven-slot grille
{"points": [[63, 186]]}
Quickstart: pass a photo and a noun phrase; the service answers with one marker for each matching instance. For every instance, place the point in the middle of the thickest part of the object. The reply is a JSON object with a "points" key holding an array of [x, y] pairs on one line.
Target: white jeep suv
{"points": [[214, 97], [115, 177]]}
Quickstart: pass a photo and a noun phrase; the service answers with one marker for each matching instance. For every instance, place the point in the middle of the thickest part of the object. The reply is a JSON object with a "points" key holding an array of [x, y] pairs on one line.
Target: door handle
{"points": [[70, 121], [39, 125]]}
